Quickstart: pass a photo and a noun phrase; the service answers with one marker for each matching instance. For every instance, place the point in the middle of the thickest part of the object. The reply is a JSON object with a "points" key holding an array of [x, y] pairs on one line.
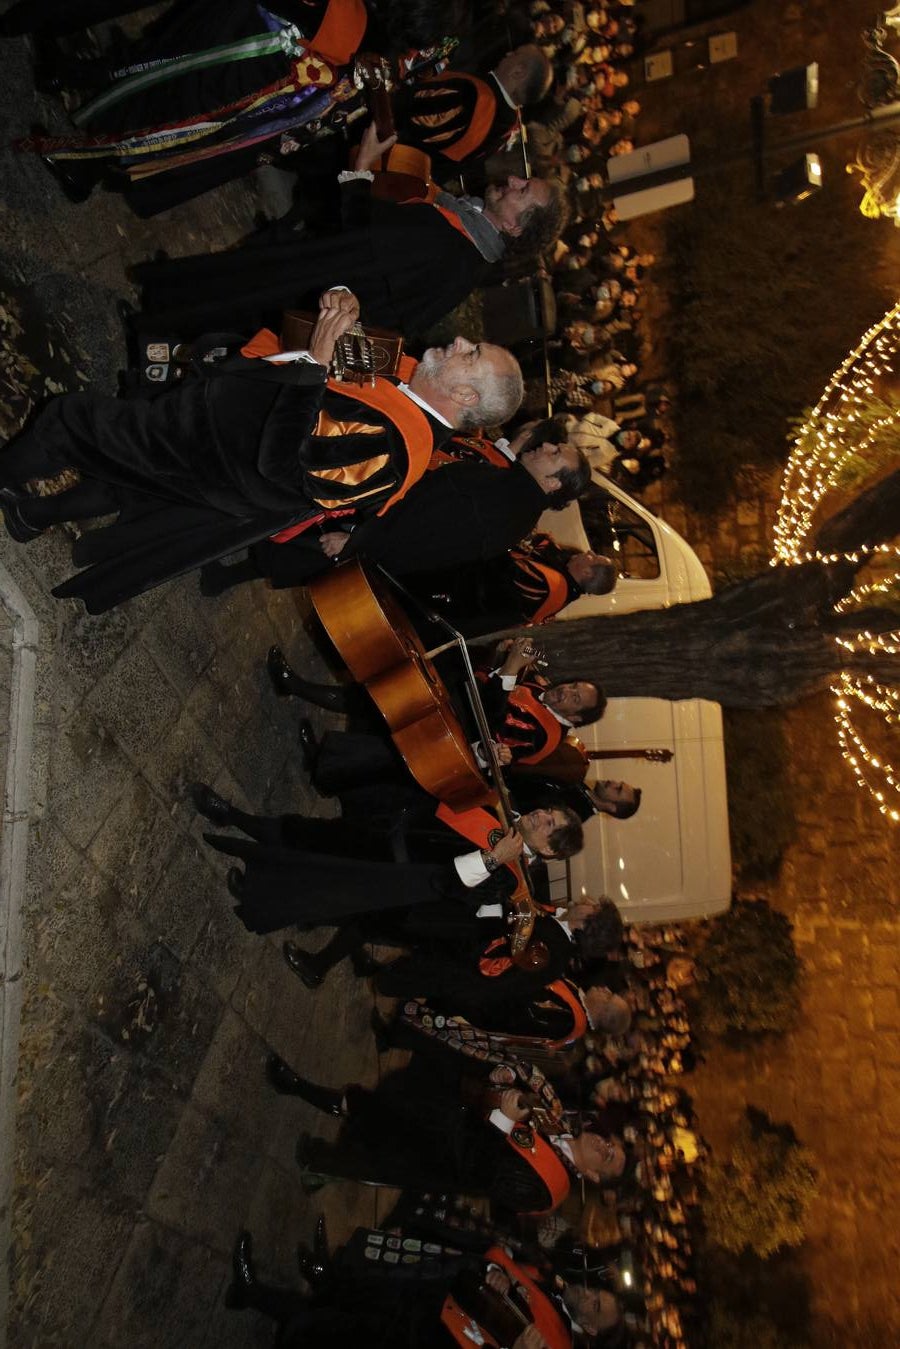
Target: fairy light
{"points": [[829, 438], [847, 427]]}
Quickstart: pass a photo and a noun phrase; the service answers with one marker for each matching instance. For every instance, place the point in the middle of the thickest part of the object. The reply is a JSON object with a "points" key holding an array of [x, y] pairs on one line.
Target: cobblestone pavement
{"points": [[145, 1135]]}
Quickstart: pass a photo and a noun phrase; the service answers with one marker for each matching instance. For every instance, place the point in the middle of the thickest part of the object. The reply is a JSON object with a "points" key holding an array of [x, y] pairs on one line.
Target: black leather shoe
{"points": [[301, 963], [321, 1249], [289, 1083], [235, 882], [280, 673], [315, 1264], [309, 745], [209, 804], [243, 1285], [17, 527]]}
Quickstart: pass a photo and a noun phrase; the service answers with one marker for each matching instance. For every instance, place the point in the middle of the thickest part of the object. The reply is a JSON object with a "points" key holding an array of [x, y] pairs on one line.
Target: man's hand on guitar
{"points": [[514, 1106], [507, 849], [521, 654], [341, 299], [333, 543], [371, 149], [503, 754], [496, 1279], [333, 322]]}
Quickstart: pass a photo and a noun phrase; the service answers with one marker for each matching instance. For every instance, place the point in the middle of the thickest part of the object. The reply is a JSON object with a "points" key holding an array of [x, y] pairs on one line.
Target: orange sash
{"points": [[544, 1160], [481, 121], [467, 449], [545, 576], [384, 397], [522, 699], [544, 1315], [341, 31], [567, 994], [479, 826]]}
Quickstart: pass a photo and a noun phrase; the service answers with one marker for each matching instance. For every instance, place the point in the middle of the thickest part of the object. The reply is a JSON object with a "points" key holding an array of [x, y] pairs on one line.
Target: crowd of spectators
{"points": [[599, 278], [642, 1240]]}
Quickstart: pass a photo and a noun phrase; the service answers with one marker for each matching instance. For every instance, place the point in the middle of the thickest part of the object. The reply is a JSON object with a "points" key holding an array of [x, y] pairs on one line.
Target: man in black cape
{"points": [[391, 1288], [468, 512], [251, 448], [410, 263]]}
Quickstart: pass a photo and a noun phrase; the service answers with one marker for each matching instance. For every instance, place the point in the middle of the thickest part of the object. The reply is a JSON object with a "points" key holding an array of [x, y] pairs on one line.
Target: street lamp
{"points": [[799, 180], [795, 90]]}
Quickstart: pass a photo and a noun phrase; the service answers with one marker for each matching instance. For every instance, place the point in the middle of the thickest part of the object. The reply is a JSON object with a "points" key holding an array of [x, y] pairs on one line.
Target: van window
{"points": [[614, 528]]}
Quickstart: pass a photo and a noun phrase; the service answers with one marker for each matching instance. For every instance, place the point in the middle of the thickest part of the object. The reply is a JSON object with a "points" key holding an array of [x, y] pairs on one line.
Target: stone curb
{"points": [[13, 858]]}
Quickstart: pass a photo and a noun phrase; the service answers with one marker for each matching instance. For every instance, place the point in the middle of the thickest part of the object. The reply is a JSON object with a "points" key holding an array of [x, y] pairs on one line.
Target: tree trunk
{"points": [[760, 643]]}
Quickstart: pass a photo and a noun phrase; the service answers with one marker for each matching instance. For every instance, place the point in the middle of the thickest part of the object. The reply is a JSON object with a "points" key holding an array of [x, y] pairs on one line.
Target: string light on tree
{"points": [[853, 432]]}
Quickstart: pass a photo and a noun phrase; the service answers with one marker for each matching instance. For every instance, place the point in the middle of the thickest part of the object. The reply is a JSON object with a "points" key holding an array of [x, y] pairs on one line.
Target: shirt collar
{"points": [[426, 407], [560, 719], [502, 444]]}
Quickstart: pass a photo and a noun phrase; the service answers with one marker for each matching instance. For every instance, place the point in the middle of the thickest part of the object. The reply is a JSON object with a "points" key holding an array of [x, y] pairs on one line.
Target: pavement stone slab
{"points": [[181, 642], [146, 1135], [178, 908], [67, 1244], [136, 842], [161, 1012], [206, 1182], [89, 775], [164, 1293], [136, 702]]}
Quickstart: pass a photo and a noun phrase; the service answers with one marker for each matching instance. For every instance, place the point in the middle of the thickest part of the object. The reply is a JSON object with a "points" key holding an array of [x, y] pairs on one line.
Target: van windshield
{"points": [[615, 529]]}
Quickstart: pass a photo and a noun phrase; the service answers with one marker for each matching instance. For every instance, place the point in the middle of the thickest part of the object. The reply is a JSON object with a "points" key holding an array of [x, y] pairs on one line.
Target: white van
{"points": [[672, 860]]}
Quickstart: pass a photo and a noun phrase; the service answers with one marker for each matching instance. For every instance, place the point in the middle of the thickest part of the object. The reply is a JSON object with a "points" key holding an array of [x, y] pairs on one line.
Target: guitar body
{"points": [[382, 651]]}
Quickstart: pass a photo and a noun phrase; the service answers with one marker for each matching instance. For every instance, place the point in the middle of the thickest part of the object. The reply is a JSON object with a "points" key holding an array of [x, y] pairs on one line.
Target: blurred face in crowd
{"points": [[573, 699], [593, 1309], [598, 1158]]}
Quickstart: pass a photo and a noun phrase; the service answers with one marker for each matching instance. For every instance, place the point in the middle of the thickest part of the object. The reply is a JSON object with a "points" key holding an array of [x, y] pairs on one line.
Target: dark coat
{"points": [[444, 968], [207, 468], [462, 513], [502, 593], [407, 265], [326, 871], [412, 1131]]}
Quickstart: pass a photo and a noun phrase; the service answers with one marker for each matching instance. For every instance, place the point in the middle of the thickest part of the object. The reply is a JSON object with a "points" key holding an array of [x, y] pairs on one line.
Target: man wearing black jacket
{"points": [[415, 1130], [468, 511], [250, 448], [410, 263]]}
